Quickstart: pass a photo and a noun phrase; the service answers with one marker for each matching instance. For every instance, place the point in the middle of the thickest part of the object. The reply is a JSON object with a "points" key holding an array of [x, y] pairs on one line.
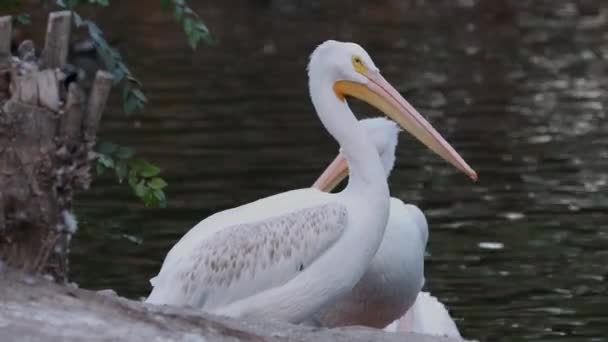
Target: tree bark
{"points": [[35, 309], [47, 130]]}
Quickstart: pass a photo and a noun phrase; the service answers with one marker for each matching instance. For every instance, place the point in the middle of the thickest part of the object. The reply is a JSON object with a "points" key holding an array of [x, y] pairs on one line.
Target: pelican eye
{"points": [[358, 64]]}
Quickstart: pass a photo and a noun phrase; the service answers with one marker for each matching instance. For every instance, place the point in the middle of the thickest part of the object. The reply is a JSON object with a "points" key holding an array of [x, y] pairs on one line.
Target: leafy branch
{"points": [[133, 96], [194, 27], [141, 176]]}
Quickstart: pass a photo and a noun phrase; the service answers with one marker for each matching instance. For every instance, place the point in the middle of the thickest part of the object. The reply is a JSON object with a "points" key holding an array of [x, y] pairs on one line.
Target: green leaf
{"points": [[144, 168], [136, 165], [149, 170], [124, 68], [126, 90], [118, 74], [200, 26], [139, 105], [149, 199], [188, 26], [115, 54], [159, 194], [139, 95], [130, 105], [132, 178], [160, 197], [103, 54], [140, 189], [96, 33], [121, 170], [106, 148], [124, 152], [157, 183], [77, 19], [106, 161], [100, 168], [112, 60], [134, 80], [193, 39], [178, 13], [23, 19]]}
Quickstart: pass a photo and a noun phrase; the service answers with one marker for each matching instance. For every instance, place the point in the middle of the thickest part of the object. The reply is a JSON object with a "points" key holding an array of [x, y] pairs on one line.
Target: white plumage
{"points": [[242, 259], [427, 316], [388, 295], [393, 279], [396, 273], [286, 256]]}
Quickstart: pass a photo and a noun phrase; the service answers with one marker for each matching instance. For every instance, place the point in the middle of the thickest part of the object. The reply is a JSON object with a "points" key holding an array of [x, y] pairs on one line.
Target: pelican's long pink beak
{"points": [[408, 117], [333, 174], [380, 94]]}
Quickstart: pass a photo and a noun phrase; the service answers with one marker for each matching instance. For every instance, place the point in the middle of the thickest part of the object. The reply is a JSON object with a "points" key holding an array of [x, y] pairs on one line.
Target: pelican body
{"points": [[388, 295], [395, 275], [286, 256]]}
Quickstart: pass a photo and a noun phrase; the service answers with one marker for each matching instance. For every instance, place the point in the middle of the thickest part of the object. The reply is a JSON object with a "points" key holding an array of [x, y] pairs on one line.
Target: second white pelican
{"points": [[391, 285], [285, 256], [427, 316]]}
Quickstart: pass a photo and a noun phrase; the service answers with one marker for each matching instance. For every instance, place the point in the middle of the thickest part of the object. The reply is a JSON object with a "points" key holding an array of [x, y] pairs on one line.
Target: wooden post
{"points": [[48, 90], [71, 123], [28, 90], [97, 103], [6, 31], [47, 133], [5, 55], [57, 44]]}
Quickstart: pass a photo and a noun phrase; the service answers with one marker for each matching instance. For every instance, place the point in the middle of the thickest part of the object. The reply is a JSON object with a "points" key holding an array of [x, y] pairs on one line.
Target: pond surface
{"points": [[518, 87]]}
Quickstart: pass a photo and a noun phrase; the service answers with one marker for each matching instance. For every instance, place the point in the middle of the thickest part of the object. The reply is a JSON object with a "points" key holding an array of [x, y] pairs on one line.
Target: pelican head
{"points": [[341, 61], [350, 71]]}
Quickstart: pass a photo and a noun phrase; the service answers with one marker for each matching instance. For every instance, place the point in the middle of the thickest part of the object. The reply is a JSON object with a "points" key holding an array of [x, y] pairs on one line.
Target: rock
{"points": [[45, 311], [107, 292]]}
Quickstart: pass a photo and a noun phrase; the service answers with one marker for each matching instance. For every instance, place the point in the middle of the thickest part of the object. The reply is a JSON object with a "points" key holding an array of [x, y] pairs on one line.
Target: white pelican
{"points": [[427, 316], [396, 273], [283, 257], [392, 282]]}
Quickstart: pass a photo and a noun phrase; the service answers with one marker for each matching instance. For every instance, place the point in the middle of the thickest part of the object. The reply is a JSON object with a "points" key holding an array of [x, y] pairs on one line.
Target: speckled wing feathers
{"points": [[241, 260]]}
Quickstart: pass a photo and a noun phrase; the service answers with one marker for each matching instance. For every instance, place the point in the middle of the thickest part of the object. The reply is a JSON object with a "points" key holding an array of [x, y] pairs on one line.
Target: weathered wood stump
{"points": [[47, 130]]}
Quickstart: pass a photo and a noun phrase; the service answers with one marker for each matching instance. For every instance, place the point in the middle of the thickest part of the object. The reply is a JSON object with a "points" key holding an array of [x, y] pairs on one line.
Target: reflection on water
{"points": [[518, 87]]}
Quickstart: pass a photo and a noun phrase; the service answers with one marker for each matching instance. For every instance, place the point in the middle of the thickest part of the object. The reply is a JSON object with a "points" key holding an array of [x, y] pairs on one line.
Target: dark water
{"points": [[518, 87]]}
